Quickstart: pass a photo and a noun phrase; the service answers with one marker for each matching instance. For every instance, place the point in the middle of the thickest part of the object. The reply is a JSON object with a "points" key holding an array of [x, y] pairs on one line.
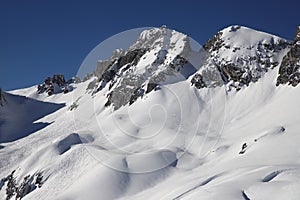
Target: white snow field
{"points": [[177, 142]]}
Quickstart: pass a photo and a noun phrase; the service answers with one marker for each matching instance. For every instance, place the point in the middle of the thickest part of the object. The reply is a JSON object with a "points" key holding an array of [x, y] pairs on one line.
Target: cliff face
{"points": [[289, 72], [157, 56]]}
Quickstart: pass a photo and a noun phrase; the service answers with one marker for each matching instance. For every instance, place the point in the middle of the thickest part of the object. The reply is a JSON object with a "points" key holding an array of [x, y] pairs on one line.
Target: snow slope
{"points": [[177, 142]]}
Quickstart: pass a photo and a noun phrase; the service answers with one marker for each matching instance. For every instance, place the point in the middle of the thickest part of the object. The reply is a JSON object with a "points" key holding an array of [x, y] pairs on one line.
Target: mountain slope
{"points": [[18, 115]]}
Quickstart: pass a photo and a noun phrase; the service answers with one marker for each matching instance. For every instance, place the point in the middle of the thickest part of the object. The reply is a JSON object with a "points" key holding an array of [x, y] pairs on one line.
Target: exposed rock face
{"points": [[198, 81], [152, 86], [238, 56], [214, 43], [104, 65], [18, 191], [157, 54], [131, 57], [289, 71], [54, 85]]}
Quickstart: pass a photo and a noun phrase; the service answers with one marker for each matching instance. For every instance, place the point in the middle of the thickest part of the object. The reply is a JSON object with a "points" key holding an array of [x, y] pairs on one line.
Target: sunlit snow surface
{"points": [[174, 143]]}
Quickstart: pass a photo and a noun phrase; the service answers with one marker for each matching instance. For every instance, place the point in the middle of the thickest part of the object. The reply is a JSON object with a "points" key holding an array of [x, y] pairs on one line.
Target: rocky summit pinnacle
{"points": [[157, 55]]}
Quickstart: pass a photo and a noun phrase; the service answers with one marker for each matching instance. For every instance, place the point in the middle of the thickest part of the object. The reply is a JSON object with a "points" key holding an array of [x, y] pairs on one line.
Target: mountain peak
{"points": [[245, 36], [157, 38], [157, 57], [239, 55]]}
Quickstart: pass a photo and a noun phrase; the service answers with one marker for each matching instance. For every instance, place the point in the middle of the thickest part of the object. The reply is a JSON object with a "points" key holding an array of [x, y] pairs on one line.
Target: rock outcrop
{"points": [[18, 191], [289, 71], [239, 56], [56, 84], [157, 54]]}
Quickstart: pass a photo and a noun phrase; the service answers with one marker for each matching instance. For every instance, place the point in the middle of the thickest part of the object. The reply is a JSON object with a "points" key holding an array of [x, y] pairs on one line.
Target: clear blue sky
{"points": [[41, 38]]}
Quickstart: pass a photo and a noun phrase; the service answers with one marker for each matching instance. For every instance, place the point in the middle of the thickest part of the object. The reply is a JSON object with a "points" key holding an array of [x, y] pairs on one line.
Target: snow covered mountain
{"points": [[241, 55], [161, 120]]}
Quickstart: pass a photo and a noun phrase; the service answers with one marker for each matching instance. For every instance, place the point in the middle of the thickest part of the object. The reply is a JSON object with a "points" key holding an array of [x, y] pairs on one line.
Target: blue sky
{"points": [[41, 38]]}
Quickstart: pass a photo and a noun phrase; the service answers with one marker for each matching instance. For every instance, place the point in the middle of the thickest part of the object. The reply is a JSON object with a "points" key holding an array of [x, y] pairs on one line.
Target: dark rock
{"points": [[48, 81], [11, 187], [215, 43], [245, 196], [177, 63], [59, 79], [66, 90], [29, 184], [54, 85], [242, 70], [50, 90], [289, 71], [131, 57], [109, 99], [243, 148], [197, 80], [73, 106], [234, 28], [108, 75], [139, 92], [151, 86]]}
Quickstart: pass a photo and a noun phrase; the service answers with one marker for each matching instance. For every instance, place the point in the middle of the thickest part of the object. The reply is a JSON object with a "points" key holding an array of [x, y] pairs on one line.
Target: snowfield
{"points": [[177, 142]]}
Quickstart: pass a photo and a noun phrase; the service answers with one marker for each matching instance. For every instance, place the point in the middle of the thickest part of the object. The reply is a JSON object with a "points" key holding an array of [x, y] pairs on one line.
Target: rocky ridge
{"points": [[241, 56], [56, 84], [289, 71]]}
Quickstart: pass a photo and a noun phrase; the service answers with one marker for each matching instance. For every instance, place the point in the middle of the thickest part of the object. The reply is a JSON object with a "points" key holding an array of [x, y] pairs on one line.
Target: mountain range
{"points": [[165, 118]]}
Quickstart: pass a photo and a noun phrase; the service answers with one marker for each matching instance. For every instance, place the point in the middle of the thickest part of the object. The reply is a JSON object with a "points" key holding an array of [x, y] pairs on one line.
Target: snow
{"points": [[16, 112], [174, 143]]}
